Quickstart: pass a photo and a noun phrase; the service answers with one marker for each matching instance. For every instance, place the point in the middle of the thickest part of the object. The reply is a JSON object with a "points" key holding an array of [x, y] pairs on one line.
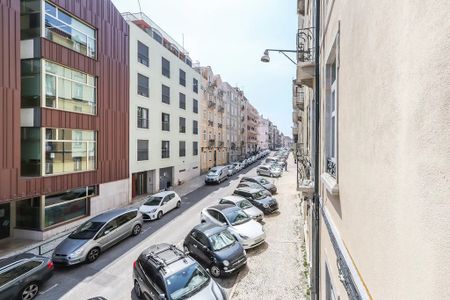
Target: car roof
{"points": [[209, 229], [106, 216], [9, 260], [162, 194], [250, 190], [233, 198], [223, 207]]}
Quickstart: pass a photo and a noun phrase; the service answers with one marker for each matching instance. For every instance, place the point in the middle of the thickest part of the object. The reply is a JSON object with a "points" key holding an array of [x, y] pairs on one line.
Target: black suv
{"points": [[22, 275], [215, 248], [163, 271], [259, 198]]}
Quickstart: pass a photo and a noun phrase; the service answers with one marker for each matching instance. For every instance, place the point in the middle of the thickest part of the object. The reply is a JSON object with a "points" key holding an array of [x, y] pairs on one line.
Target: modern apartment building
{"points": [[383, 153], [233, 117], [252, 127], [263, 133], [213, 148], [64, 112], [164, 109]]}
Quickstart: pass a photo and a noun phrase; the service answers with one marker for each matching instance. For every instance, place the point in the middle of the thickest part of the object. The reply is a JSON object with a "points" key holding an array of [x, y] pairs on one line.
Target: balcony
{"points": [[221, 109], [301, 7], [219, 125], [211, 104], [295, 129], [210, 123], [211, 143], [306, 67]]}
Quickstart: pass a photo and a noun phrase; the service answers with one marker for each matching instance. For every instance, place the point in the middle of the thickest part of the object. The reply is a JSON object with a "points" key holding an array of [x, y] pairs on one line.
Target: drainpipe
{"points": [[316, 202]]}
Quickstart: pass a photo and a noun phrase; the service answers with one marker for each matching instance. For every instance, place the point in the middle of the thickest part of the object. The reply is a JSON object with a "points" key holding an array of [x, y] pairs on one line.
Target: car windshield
{"points": [[244, 204], [237, 217], [213, 171], [221, 240], [86, 231], [153, 201], [263, 181], [187, 282], [259, 195]]}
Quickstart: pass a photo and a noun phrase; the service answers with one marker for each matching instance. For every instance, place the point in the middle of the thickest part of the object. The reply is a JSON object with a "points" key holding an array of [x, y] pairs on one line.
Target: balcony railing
{"points": [[210, 123], [331, 166], [221, 109], [211, 104], [211, 143], [305, 45]]}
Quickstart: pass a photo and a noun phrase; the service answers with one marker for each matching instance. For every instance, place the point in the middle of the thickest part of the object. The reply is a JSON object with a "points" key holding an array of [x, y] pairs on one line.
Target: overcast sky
{"points": [[230, 36]]}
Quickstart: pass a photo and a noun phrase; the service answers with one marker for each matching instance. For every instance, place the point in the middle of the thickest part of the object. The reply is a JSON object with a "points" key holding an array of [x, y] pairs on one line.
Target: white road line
{"points": [[47, 290], [146, 229]]}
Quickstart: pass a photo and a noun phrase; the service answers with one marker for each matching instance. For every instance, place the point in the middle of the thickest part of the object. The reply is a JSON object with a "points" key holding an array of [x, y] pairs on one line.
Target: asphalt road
{"points": [[110, 277]]}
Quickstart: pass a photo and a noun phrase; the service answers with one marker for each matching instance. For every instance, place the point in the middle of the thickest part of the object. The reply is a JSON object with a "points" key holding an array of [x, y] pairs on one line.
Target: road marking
{"points": [[47, 290], [146, 229]]}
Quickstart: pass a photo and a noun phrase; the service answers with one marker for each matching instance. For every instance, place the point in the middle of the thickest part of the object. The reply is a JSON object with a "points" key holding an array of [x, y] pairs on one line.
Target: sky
{"points": [[230, 36]]}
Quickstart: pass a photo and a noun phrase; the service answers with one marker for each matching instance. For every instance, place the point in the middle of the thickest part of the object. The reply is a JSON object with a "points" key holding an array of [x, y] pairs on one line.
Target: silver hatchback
{"points": [[96, 235]]}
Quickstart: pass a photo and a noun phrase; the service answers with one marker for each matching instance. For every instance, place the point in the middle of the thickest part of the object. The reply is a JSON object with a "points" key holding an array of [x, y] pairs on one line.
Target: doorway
{"points": [[5, 220], [165, 178]]}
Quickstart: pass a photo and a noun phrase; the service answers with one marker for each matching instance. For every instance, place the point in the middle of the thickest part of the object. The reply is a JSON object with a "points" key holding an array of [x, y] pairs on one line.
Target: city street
{"points": [[110, 277]]}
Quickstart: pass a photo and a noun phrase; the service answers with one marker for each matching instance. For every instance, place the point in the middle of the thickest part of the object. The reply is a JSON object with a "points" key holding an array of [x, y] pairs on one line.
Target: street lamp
{"points": [[266, 58]]}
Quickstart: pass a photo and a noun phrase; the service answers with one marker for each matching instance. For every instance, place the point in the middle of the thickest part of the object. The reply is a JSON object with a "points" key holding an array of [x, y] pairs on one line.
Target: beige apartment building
{"points": [[384, 146], [233, 121], [252, 117], [212, 124]]}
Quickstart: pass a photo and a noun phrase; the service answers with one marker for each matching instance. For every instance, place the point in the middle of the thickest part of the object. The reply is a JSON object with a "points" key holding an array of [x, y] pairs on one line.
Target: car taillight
{"points": [[134, 265], [50, 265]]}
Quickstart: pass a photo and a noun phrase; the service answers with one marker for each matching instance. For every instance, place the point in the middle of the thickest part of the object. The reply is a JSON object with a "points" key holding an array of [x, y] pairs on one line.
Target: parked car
{"points": [[275, 160], [215, 248], [96, 235], [245, 163], [258, 198], [252, 211], [231, 170], [22, 276], [253, 185], [163, 271], [268, 170], [217, 175], [237, 166], [157, 205], [262, 182], [246, 230]]}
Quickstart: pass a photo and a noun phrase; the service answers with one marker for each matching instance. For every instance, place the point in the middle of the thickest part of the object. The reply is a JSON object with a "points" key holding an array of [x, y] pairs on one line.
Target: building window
{"points": [[165, 121], [194, 148], [165, 149], [142, 85], [182, 77], [182, 125], [182, 150], [195, 85], [195, 106], [142, 117], [142, 150], [143, 54], [182, 101], [329, 289], [31, 149], [165, 94], [331, 118], [204, 135], [165, 67], [195, 127], [68, 151], [69, 205], [68, 31]]}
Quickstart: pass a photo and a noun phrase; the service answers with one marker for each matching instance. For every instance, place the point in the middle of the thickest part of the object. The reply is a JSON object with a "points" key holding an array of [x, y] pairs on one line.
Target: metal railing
{"points": [[331, 166], [305, 45]]}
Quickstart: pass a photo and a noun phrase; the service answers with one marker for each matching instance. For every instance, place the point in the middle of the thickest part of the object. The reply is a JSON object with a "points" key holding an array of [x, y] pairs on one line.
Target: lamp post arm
{"points": [[282, 52]]}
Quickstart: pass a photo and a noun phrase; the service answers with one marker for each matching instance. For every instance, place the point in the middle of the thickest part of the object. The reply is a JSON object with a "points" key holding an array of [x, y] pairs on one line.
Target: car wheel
{"points": [[92, 255], [137, 289], [160, 215], [178, 204], [215, 271], [136, 229], [29, 291]]}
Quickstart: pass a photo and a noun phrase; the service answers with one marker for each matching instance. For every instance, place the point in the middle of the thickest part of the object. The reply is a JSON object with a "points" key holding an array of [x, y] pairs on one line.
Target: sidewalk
{"points": [[11, 246]]}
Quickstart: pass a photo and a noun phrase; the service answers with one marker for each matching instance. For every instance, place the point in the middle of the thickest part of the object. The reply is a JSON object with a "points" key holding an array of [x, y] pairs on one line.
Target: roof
{"points": [[233, 198], [106, 216], [209, 228]]}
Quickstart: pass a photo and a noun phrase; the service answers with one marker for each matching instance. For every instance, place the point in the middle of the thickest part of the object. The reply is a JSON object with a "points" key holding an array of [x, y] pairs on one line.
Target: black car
{"points": [[21, 276], [163, 271], [259, 198], [215, 248], [262, 182]]}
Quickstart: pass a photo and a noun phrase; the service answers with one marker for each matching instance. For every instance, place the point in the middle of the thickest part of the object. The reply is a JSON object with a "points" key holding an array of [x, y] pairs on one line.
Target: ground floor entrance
{"points": [[165, 178], [5, 220], [142, 183]]}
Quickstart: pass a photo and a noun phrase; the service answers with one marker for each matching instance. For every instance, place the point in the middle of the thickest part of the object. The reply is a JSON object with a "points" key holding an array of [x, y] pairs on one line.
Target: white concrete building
{"points": [[164, 112], [263, 133]]}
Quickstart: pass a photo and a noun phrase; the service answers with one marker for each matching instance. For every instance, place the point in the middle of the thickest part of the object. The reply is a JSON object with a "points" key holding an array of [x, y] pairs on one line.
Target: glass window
{"points": [[165, 94], [182, 125], [69, 89], [68, 150], [68, 31], [18, 269], [143, 54], [182, 77], [66, 206], [187, 282], [165, 122], [182, 101], [30, 151], [182, 148], [221, 240], [30, 18], [195, 127], [31, 83], [195, 106], [195, 85], [165, 149], [142, 150], [195, 148], [28, 213], [142, 85], [142, 117], [165, 67]]}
